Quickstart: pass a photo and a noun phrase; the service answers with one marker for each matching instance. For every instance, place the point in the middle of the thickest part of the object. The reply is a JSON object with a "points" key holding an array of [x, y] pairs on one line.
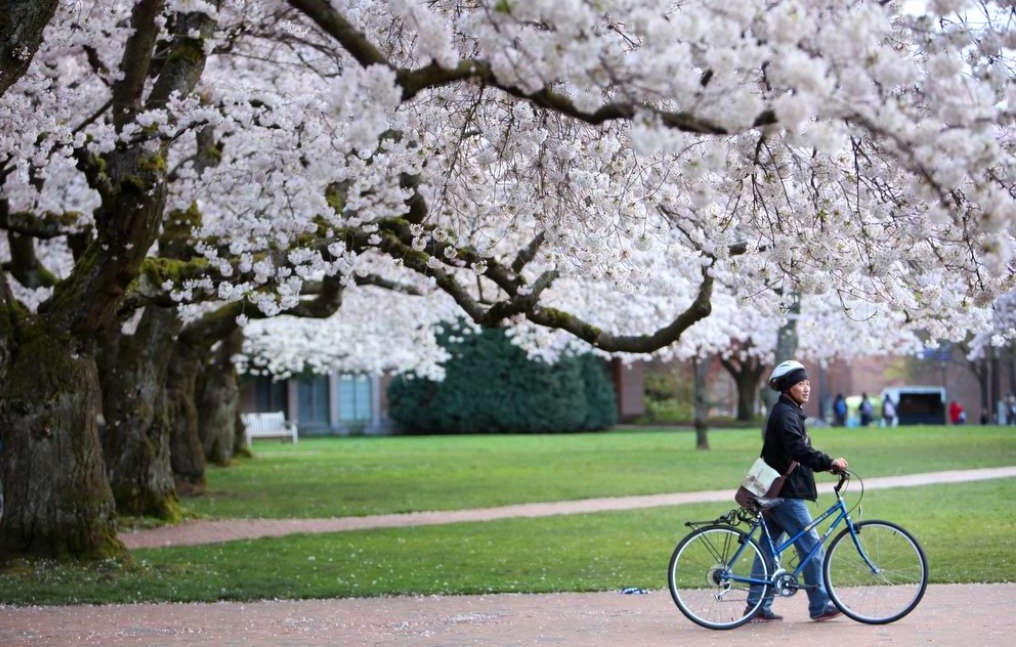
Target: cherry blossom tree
{"points": [[589, 167], [57, 497]]}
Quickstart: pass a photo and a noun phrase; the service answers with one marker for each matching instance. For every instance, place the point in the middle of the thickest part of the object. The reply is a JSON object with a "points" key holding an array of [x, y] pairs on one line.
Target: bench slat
{"points": [[269, 424]]}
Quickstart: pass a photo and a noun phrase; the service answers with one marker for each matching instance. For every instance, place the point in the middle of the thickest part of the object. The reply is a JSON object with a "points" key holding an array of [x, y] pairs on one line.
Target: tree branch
{"points": [[335, 25], [479, 72], [699, 309], [137, 57]]}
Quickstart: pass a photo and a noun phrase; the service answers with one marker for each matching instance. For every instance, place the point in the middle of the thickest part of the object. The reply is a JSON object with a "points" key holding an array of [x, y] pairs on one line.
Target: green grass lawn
{"points": [[359, 476], [966, 529]]}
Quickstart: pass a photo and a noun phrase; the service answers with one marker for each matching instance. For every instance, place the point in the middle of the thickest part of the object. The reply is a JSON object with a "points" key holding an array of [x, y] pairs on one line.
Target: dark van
{"points": [[918, 405]]}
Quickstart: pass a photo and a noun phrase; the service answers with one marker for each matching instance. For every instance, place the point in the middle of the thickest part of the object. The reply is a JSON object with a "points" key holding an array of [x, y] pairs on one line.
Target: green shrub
{"points": [[492, 385], [669, 411], [669, 395]]}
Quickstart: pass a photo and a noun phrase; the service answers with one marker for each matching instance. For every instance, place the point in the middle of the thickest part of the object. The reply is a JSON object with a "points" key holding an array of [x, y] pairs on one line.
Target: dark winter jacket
{"points": [[786, 439]]}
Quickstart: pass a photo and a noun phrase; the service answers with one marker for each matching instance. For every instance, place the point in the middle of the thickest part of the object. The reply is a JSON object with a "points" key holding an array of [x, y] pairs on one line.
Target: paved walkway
{"points": [[198, 531], [962, 615]]}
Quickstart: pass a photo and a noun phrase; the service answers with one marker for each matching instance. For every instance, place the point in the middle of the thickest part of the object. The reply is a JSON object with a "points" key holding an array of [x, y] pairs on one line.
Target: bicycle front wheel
{"points": [[707, 576], [878, 579]]}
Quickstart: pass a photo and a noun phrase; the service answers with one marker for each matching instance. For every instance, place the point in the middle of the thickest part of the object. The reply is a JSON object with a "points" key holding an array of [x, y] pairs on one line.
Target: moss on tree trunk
{"points": [[136, 440], [218, 398], [57, 500], [187, 455]]}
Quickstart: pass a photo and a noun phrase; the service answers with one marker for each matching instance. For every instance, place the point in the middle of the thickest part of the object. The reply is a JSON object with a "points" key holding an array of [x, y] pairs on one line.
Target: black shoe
{"points": [[765, 615], [828, 613]]}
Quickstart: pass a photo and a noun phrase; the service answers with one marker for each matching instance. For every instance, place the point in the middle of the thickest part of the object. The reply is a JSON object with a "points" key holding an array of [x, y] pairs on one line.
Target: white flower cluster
{"points": [[376, 331]]}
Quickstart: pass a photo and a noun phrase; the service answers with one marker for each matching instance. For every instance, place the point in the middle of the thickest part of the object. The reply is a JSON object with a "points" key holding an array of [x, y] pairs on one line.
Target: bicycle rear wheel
{"points": [[706, 575], [886, 592]]}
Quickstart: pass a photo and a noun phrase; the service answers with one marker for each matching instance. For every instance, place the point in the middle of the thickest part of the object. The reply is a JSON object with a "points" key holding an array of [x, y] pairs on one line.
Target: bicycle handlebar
{"points": [[844, 477]]}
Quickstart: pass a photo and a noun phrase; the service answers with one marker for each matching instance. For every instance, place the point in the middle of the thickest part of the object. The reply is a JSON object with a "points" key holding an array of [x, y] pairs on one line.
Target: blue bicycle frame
{"points": [[837, 510]]}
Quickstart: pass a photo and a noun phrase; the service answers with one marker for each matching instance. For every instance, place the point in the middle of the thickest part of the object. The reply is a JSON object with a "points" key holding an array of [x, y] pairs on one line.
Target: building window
{"points": [[269, 394], [354, 399], [313, 399]]}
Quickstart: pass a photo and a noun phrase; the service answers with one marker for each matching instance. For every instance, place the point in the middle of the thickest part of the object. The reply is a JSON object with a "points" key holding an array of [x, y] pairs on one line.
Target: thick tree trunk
{"points": [[747, 387], [218, 401], [190, 356], [746, 373], [136, 441], [187, 455], [57, 500]]}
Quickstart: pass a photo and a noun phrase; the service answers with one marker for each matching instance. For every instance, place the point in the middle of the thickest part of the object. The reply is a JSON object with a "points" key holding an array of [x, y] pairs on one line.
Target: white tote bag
{"points": [[761, 479]]}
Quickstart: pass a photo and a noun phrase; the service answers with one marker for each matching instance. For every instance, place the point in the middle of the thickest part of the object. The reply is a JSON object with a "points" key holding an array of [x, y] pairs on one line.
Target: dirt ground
{"points": [[967, 615], [963, 615]]}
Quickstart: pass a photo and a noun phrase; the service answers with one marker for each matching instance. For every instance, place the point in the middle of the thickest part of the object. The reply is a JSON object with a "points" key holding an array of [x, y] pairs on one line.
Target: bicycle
{"points": [[874, 571]]}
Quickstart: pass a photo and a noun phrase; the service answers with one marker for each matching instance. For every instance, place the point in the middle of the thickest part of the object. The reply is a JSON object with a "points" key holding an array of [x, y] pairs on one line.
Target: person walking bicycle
{"points": [[787, 441]]}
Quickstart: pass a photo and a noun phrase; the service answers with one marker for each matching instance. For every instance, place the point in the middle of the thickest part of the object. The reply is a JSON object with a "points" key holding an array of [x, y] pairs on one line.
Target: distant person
{"points": [[839, 410], [957, 414], [865, 410], [1010, 409], [888, 412]]}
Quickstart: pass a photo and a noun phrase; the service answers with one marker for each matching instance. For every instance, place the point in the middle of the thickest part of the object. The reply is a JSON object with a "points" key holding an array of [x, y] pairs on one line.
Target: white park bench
{"points": [[268, 424]]}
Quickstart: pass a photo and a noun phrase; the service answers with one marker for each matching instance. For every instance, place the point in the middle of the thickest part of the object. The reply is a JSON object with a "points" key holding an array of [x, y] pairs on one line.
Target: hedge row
{"points": [[492, 386]]}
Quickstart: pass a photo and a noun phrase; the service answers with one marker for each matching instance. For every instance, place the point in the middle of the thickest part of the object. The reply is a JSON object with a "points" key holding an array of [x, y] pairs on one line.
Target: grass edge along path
{"points": [[206, 531], [355, 477]]}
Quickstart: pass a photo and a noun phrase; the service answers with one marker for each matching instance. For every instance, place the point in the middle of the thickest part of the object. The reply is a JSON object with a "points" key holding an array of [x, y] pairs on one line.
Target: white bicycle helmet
{"points": [[787, 374]]}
